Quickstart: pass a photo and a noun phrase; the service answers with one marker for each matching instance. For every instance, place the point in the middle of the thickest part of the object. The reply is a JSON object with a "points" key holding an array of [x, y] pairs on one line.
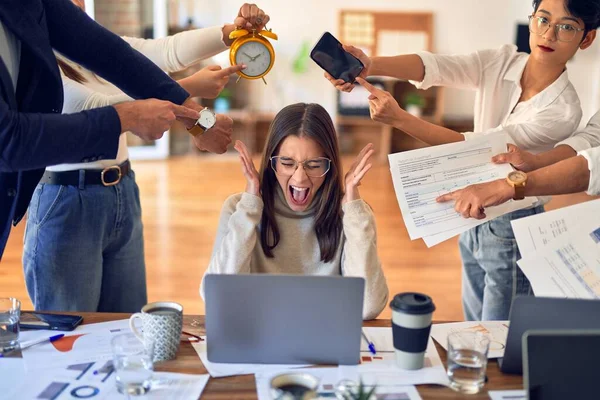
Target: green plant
{"points": [[360, 393], [226, 93], [414, 99]]}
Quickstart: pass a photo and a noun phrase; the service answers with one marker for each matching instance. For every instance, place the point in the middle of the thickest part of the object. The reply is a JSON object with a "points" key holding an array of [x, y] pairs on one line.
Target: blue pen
{"points": [[369, 343], [41, 340]]}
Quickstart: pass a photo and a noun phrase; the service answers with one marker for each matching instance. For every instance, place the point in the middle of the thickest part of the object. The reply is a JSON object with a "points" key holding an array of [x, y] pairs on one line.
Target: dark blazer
{"points": [[33, 133]]}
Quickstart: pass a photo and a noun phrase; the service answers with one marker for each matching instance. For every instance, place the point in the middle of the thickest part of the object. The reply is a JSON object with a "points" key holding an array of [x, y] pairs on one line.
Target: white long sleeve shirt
{"points": [[536, 125], [171, 54], [10, 52]]}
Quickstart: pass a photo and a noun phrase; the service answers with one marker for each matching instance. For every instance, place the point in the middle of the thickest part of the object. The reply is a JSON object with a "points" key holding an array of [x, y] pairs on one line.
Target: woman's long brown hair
{"points": [[310, 121], [70, 72]]}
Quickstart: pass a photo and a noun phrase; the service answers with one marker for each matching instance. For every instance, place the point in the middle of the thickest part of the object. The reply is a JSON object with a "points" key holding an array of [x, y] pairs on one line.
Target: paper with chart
{"points": [[90, 343], [496, 331], [219, 370], [538, 231], [96, 380], [329, 379], [569, 267], [381, 367], [420, 176]]}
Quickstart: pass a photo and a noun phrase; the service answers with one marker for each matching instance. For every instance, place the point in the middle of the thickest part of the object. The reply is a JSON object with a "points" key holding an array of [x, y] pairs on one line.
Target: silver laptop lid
{"points": [[283, 319]]}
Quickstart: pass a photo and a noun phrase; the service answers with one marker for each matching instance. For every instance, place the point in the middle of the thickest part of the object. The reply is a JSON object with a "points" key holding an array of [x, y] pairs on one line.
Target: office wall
{"points": [[461, 26]]}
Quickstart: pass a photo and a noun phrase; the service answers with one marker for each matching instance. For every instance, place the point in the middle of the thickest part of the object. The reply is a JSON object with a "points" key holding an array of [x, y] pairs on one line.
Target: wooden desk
{"points": [[243, 387]]}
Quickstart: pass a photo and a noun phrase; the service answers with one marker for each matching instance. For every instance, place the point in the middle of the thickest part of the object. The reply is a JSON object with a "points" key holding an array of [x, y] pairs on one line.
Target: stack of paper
{"points": [[561, 251], [220, 370], [420, 176]]}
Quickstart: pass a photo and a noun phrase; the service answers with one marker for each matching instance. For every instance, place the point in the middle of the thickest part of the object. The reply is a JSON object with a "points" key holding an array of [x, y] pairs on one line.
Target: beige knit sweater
{"points": [[237, 248]]}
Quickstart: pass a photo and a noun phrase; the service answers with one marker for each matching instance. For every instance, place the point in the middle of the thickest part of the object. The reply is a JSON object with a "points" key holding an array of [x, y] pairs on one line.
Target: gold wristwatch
{"points": [[518, 180], [206, 120]]}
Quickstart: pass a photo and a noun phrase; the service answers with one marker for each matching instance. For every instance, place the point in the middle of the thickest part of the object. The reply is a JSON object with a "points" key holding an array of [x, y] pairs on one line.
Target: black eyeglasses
{"points": [[314, 167], [563, 32]]}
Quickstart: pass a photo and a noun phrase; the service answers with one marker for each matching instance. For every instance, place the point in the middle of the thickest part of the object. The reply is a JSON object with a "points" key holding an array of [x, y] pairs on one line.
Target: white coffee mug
{"points": [[162, 321]]}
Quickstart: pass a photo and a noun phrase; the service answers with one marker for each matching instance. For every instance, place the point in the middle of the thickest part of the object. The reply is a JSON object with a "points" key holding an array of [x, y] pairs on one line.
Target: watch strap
{"points": [[196, 130]]}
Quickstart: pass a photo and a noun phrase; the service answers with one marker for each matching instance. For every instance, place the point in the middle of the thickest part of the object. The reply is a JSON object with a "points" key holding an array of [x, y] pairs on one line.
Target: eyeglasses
{"points": [[286, 166], [563, 32]]}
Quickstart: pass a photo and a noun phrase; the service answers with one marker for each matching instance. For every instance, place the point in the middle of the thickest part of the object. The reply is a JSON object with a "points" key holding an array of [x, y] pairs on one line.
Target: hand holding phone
{"points": [[330, 55]]}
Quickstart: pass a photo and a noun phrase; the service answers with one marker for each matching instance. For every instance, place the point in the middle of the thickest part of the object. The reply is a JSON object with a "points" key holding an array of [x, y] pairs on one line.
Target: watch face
{"points": [[517, 177], [207, 119], [256, 56]]}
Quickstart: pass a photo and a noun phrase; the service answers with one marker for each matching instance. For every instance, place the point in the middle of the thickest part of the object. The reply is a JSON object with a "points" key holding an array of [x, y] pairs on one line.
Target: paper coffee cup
{"points": [[411, 325]]}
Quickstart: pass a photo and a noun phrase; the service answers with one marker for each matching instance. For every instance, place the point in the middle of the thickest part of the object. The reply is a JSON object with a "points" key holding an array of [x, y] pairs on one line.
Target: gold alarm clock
{"points": [[253, 49]]}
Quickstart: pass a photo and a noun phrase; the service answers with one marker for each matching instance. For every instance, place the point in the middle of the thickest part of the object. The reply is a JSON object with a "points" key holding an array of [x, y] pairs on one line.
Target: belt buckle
{"points": [[105, 170]]}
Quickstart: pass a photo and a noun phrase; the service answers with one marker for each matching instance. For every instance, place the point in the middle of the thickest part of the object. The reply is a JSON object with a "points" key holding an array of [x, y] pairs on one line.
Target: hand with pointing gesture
{"points": [[382, 105], [209, 81], [471, 201]]}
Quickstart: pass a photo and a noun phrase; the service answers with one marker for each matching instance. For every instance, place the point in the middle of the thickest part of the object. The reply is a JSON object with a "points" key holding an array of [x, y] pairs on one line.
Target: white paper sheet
{"points": [[329, 379], [13, 375], [219, 370], [569, 267], [85, 344], [507, 395], [538, 231], [392, 43], [496, 330], [97, 380], [382, 368], [420, 176]]}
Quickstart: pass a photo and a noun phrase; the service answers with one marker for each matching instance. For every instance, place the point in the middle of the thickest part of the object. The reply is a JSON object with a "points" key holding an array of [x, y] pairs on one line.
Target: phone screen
{"points": [[329, 54], [33, 320]]}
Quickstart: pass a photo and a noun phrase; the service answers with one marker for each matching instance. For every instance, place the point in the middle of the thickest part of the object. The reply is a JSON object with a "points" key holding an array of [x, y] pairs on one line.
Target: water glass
{"points": [[132, 361], [10, 312], [467, 360]]}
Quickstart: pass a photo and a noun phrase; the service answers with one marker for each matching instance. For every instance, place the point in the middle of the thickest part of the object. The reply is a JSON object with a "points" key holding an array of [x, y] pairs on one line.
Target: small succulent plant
{"points": [[357, 392]]}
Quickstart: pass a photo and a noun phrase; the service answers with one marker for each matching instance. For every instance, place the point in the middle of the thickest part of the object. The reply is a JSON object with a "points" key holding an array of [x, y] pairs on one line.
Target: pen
{"points": [[369, 343], [50, 339]]}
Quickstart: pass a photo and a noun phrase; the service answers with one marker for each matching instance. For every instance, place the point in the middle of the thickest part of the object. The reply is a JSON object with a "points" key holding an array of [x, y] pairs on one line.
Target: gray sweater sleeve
{"points": [[236, 236], [359, 257]]}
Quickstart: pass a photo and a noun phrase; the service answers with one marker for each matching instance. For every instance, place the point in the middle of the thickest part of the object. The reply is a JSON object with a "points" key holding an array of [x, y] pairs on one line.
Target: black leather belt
{"points": [[108, 176]]}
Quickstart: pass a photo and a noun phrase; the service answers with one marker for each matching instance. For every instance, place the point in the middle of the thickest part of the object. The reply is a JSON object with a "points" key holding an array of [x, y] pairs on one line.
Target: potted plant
{"points": [[349, 390], [223, 101], [414, 103]]}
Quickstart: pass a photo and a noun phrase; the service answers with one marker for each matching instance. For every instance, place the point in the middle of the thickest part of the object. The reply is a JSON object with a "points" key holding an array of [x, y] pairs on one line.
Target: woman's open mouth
{"points": [[299, 195], [545, 49]]}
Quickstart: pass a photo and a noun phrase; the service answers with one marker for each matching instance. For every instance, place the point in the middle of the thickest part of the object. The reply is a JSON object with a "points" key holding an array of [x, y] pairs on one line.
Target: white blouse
{"points": [[171, 54], [535, 125]]}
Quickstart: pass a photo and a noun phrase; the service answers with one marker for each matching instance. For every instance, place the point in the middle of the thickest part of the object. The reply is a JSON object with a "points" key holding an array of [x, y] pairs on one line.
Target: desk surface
{"points": [[243, 387]]}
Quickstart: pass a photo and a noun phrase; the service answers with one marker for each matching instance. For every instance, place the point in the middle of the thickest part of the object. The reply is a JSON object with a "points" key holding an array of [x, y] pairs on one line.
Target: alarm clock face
{"points": [[256, 56]]}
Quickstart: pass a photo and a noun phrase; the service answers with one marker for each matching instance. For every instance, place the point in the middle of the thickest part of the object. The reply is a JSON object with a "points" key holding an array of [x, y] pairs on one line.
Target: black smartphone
{"points": [[55, 322], [329, 54]]}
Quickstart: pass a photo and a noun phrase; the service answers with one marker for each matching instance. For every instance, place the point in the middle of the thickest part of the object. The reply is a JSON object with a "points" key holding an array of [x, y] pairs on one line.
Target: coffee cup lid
{"points": [[412, 303]]}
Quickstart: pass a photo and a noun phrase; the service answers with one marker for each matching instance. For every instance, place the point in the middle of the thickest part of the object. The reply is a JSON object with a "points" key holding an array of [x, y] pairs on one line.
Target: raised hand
{"points": [[357, 171], [209, 81], [344, 86], [382, 105], [471, 201], [520, 159], [150, 119], [217, 138], [248, 169], [250, 16]]}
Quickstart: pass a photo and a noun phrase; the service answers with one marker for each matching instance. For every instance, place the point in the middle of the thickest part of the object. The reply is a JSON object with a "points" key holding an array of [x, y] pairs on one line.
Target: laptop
{"points": [[283, 319], [561, 364], [529, 312]]}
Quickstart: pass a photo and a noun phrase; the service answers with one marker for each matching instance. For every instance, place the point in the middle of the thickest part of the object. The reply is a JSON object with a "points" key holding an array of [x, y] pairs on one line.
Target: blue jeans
{"points": [[84, 249], [491, 277]]}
